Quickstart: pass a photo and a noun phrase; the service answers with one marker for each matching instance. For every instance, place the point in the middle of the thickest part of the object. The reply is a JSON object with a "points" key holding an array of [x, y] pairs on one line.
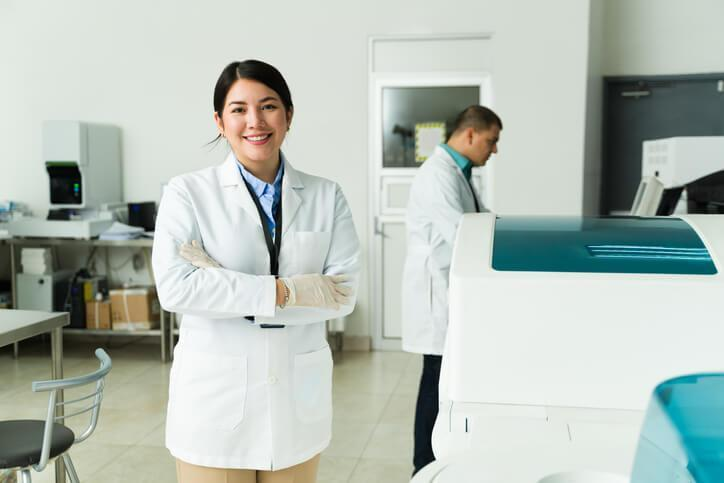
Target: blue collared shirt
{"points": [[464, 163], [267, 194]]}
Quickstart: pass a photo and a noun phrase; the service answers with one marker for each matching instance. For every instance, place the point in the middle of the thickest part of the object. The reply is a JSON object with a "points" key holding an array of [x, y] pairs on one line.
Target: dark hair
{"points": [[254, 70], [478, 117]]}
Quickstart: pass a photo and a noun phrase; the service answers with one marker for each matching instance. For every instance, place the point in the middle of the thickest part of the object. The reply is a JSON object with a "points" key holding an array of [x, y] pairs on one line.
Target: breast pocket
{"points": [[309, 251], [209, 390], [313, 385]]}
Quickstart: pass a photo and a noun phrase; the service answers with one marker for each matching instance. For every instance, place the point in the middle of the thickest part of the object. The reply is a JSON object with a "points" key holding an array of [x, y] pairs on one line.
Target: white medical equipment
{"points": [[83, 162], [681, 175], [559, 330]]}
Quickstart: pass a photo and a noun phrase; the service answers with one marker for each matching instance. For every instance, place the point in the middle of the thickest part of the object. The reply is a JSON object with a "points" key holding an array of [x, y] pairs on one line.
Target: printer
{"points": [[559, 330]]}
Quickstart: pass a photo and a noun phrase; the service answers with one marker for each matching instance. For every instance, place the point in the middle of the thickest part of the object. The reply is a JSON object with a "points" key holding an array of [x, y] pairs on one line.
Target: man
{"points": [[441, 193]]}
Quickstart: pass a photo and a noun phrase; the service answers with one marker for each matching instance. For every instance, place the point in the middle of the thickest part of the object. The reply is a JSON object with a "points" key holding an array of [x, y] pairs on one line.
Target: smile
{"points": [[259, 139]]}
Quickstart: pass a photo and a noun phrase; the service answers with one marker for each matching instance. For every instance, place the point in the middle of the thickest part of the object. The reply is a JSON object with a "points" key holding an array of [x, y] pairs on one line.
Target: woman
{"points": [[250, 395]]}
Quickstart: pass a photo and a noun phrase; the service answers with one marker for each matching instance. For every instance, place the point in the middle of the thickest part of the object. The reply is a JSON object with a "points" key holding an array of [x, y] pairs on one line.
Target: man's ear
{"points": [[470, 135]]}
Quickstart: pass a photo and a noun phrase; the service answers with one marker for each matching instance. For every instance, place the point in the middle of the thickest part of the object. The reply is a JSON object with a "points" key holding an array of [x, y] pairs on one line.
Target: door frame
{"points": [[376, 173]]}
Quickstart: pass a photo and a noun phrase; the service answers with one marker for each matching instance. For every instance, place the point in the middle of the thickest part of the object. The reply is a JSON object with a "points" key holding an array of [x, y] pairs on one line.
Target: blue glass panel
{"points": [[682, 437], [599, 245]]}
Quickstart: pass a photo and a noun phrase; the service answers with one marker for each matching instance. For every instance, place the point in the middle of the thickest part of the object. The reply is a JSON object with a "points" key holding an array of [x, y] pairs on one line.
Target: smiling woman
{"points": [[253, 110], [250, 393]]}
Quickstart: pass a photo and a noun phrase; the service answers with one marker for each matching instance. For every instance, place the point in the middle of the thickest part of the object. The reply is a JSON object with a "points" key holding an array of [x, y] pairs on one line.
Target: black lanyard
{"points": [[475, 198], [273, 246]]}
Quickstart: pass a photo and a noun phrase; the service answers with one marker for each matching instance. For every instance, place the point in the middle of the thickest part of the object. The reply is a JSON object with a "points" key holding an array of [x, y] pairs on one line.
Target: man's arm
{"points": [[441, 201]]}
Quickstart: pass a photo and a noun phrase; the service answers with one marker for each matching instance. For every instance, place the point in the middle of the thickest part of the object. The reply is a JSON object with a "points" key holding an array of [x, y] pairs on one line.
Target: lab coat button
{"points": [[272, 380]]}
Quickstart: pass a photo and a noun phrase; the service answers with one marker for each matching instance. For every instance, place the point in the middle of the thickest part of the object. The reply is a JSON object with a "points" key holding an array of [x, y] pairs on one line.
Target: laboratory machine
{"points": [[681, 175], [559, 330], [46, 292], [83, 164], [682, 436]]}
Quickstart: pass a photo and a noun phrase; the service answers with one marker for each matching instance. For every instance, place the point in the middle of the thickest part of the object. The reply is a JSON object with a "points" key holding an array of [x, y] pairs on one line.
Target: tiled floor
{"points": [[374, 402]]}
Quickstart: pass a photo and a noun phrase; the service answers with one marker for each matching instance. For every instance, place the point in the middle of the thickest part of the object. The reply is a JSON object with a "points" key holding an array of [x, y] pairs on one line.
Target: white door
{"points": [[410, 111]]}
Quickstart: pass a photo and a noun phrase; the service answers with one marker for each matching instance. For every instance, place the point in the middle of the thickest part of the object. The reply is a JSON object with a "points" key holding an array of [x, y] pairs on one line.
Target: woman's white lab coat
{"points": [[439, 197], [242, 396]]}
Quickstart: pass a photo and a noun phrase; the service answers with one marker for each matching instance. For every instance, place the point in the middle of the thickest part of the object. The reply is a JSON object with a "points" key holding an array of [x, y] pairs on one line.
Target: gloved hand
{"points": [[317, 290], [196, 255]]}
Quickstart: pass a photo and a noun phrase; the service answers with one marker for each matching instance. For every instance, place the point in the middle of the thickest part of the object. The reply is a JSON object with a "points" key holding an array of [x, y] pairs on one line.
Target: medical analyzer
{"points": [[681, 175], [83, 163], [560, 328]]}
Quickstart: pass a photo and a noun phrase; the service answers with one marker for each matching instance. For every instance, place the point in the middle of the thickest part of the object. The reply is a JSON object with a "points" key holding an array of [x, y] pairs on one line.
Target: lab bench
{"points": [[164, 332]]}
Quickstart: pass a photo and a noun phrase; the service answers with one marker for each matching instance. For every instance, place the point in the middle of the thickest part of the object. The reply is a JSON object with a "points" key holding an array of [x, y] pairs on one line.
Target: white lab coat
{"points": [[241, 396], [439, 196]]}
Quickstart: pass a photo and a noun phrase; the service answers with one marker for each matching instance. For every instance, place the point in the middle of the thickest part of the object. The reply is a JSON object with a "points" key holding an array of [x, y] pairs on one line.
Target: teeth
{"points": [[257, 138]]}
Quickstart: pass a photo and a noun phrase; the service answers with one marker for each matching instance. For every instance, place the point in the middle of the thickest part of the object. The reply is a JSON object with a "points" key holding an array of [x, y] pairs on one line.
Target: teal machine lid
{"points": [[599, 245], [682, 436]]}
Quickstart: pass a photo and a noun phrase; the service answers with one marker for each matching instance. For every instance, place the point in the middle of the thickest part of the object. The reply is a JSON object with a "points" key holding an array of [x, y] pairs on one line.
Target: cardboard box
{"points": [[135, 308], [98, 314]]}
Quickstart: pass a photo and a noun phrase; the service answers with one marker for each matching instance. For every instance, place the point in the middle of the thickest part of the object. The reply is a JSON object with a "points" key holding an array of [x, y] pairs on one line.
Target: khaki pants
{"points": [[302, 473]]}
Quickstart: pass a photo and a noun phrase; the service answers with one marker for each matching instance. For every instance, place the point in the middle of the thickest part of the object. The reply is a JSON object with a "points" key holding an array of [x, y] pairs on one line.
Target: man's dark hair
{"points": [[477, 117]]}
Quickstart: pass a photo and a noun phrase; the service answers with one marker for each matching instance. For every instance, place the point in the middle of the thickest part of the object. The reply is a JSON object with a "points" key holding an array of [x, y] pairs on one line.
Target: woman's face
{"points": [[254, 121]]}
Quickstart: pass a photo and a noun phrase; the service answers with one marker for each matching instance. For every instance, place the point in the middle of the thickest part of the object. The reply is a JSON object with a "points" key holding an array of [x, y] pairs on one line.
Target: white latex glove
{"points": [[196, 255], [316, 290]]}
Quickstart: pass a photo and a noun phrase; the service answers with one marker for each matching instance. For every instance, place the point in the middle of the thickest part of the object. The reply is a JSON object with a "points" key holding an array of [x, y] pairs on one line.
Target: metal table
{"points": [[16, 325]]}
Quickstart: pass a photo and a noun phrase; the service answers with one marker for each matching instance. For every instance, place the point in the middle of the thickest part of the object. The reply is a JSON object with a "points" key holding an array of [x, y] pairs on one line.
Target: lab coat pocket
{"points": [[310, 251], [209, 390], [313, 385]]}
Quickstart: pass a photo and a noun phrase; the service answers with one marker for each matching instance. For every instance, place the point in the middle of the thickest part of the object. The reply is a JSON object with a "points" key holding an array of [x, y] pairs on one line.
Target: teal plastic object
{"points": [[682, 437], [599, 245]]}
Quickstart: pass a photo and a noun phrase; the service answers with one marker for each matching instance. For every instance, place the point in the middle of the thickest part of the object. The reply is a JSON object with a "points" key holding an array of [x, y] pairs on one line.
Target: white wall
{"points": [[150, 67], [539, 84], [652, 37]]}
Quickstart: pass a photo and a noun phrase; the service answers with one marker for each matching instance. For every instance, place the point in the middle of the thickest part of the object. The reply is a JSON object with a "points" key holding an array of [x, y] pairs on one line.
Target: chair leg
{"points": [[70, 468], [24, 476]]}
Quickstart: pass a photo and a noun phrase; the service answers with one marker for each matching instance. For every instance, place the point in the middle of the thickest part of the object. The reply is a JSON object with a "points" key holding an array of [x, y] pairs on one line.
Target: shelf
{"points": [[143, 245], [155, 332], [137, 242]]}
